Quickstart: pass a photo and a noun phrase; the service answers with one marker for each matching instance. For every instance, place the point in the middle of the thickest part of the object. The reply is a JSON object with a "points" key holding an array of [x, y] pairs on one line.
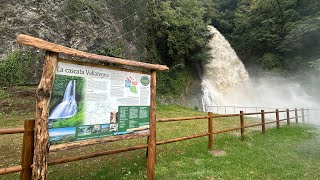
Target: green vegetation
{"points": [[18, 68], [174, 82], [58, 91], [177, 37], [73, 121], [279, 31], [285, 153], [273, 36]]}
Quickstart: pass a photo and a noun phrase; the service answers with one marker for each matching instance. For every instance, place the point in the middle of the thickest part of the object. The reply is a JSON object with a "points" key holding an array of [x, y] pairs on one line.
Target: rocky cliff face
{"points": [[81, 24]]}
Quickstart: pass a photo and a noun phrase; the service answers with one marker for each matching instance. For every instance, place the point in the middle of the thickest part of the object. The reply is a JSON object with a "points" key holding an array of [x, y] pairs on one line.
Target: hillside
{"points": [[113, 28]]}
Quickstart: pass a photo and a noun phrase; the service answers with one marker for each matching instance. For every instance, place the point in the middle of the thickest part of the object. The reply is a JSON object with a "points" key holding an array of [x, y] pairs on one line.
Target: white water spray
{"points": [[223, 72], [226, 82], [68, 107]]}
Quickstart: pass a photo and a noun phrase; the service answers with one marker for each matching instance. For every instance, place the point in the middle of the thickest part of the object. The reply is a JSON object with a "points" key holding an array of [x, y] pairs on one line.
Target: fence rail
{"points": [[27, 150], [28, 137]]}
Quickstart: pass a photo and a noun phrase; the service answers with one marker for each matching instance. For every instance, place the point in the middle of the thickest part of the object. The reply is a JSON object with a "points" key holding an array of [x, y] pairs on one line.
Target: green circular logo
{"points": [[145, 80]]}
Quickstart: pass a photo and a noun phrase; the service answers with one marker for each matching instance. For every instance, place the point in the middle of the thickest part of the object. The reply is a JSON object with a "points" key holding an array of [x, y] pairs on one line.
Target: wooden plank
{"points": [[263, 122], [152, 137], [182, 138], [181, 118], [11, 130], [252, 125], [81, 63], [27, 150], [88, 142], [43, 94], [271, 122], [252, 113], [210, 130], [42, 44], [97, 154], [227, 130], [11, 169], [227, 115]]}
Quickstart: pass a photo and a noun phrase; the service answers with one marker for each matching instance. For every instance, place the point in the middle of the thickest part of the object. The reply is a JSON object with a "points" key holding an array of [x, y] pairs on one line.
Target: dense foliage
{"points": [[276, 35], [18, 68], [177, 37]]}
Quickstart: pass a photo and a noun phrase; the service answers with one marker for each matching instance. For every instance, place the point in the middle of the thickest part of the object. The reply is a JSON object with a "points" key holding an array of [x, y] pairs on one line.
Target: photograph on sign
{"points": [[92, 102]]}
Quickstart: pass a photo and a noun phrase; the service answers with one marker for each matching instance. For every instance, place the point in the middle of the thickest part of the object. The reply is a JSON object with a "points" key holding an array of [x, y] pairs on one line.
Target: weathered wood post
{"points": [[302, 114], [296, 115], [288, 117], [277, 119], [242, 124], [152, 137], [27, 150], [263, 122], [210, 130], [43, 93]]}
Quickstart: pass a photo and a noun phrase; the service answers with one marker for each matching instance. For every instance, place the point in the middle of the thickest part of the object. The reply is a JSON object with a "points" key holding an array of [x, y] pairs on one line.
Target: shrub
{"points": [[17, 69]]}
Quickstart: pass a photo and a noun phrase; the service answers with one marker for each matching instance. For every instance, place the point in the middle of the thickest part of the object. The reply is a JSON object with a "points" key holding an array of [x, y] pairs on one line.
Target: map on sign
{"points": [[92, 102]]}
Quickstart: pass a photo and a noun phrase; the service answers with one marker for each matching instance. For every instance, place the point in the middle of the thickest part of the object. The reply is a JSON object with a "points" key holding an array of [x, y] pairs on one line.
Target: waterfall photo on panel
{"points": [[68, 107]]}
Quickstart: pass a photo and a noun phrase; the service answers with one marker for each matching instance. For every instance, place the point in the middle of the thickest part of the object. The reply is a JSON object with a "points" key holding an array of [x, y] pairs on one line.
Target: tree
{"points": [[179, 31]]}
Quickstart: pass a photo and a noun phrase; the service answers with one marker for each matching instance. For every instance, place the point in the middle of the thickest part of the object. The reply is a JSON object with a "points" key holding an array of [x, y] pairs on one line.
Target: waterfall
{"points": [[68, 107], [224, 72], [225, 82]]}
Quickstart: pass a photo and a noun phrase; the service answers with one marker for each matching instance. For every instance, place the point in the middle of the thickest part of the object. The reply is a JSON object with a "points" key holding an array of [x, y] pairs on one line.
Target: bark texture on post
{"points": [[296, 115], [302, 114], [27, 150], [242, 124], [263, 121], [152, 137], [277, 119], [43, 93], [288, 117], [210, 130]]}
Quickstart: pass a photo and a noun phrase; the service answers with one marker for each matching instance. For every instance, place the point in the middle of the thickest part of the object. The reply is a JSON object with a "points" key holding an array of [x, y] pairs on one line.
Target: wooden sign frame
{"points": [[44, 91]]}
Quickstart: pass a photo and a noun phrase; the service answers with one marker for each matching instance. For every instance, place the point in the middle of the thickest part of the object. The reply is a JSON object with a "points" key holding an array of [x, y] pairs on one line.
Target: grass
{"points": [[285, 153]]}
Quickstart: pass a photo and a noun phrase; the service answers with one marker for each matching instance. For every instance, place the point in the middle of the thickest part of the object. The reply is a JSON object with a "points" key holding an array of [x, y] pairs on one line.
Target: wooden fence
{"points": [[25, 168]]}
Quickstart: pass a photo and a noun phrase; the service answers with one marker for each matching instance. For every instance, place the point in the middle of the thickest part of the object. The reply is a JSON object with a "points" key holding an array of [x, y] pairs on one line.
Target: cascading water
{"points": [[68, 107], [223, 72], [225, 82]]}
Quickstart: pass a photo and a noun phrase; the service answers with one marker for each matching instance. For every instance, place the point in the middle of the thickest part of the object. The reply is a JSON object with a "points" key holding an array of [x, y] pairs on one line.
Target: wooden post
{"points": [[242, 124], [263, 122], [147, 147], [296, 115], [27, 150], [302, 114], [277, 119], [43, 93], [152, 137], [288, 117], [210, 130]]}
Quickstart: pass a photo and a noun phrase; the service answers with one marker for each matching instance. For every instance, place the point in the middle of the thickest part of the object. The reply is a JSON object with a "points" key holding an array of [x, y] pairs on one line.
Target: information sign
{"points": [[92, 102]]}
